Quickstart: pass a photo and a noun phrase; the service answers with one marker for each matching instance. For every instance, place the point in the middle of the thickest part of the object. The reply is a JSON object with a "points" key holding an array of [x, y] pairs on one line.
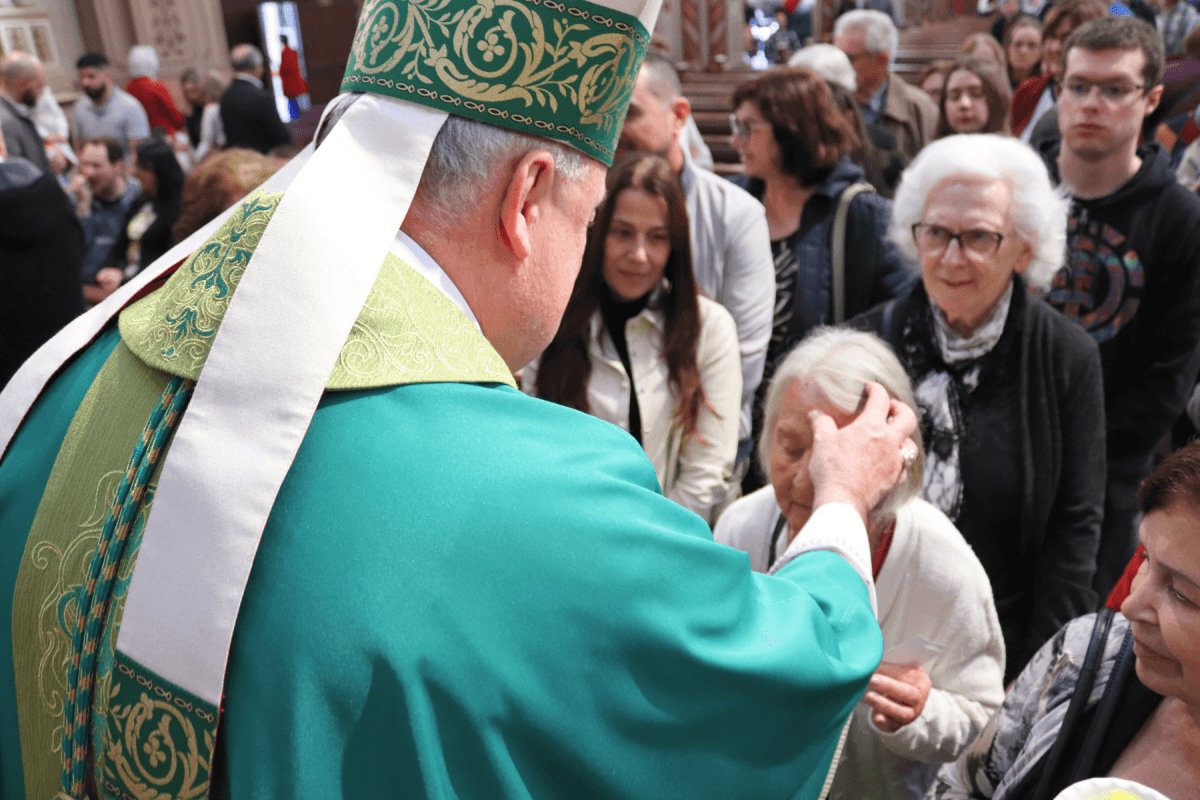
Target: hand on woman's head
{"points": [[863, 461]]}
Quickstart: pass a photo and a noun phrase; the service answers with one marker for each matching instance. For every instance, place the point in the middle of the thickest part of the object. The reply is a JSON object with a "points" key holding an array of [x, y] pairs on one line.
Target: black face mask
{"points": [[797, 160]]}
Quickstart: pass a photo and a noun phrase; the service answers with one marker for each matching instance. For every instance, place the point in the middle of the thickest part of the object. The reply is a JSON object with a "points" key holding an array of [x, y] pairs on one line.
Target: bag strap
{"points": [[1079, 701], [838, 248]]}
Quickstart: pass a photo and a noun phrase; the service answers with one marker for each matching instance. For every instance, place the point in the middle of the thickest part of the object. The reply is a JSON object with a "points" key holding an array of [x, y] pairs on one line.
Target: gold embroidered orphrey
{"points": [[562, 70]]}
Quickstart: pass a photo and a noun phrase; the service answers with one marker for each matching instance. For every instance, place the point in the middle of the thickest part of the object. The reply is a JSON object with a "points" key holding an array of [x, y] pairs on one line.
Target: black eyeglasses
{"points": [[1116, 93], [934, 239]]}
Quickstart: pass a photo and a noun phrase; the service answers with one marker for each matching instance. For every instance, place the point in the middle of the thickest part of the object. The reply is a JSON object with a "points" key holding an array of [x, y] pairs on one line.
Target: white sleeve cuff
{"points": [[838, 528]]}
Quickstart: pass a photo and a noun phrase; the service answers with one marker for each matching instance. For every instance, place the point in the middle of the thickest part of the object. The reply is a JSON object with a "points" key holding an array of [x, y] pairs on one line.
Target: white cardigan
{"points": [[930, 585], [692, 472]]}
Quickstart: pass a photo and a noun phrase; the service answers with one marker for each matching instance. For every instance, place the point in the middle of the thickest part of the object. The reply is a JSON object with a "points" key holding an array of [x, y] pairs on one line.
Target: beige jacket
{"points": [[693, 471], [910, 114]]}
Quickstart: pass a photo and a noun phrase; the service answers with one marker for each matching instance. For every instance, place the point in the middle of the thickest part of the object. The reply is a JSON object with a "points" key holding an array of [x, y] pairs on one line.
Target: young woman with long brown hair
{"points": [[638, 347]]}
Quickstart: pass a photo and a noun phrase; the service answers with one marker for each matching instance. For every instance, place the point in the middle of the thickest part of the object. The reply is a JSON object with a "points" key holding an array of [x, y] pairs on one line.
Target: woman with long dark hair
{"points": [[146, 234], [638, 347]]}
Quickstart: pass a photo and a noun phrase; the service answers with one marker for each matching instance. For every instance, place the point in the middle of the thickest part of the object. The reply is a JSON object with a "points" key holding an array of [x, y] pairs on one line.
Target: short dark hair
{"points": [[809, 128], [91, 60], [1175, 481], [1122, 33], [114, 150]]}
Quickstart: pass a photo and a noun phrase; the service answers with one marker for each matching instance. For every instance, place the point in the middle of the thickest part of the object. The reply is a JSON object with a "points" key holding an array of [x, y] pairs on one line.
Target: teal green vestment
{"points": [[465, 592]]}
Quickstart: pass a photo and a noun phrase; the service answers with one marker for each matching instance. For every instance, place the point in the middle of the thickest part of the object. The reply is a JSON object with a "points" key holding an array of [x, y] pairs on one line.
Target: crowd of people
{"points": [[123, 163], [1014, 284], [994, 270]]}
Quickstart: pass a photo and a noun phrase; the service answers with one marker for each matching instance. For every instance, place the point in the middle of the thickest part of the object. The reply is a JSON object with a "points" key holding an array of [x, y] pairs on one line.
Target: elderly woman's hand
{"points": [[862, 462], [897, 695]]}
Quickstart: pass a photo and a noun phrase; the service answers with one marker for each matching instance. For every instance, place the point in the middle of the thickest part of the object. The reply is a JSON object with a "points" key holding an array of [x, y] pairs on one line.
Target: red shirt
{"points": [[293, 82], [160, 108]]}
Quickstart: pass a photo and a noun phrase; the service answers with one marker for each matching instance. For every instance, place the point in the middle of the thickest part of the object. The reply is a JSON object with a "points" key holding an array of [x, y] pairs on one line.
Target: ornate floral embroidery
{"points": [[161, 738], [407, 332], [176, 326], [564, 70]]}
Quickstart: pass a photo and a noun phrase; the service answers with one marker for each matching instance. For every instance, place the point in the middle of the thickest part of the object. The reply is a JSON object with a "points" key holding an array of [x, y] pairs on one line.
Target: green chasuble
{"points": [[462, 591]]}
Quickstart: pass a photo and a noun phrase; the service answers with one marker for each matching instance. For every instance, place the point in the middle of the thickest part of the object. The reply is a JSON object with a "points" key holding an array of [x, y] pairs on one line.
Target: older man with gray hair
{"points": [[248, 112], [22, 79], [870, 40]]}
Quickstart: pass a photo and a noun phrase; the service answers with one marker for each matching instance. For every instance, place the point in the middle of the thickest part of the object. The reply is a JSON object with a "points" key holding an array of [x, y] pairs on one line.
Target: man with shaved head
{"points": [[22, 79]]}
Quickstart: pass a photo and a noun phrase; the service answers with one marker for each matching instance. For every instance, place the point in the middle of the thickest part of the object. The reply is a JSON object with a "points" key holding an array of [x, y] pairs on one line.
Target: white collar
{"points": [[248, 78], [411, 253]]}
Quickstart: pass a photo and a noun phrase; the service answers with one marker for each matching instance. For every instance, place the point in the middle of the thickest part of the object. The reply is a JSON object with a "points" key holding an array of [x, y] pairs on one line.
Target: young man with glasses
{"points": [[1131, 277]]}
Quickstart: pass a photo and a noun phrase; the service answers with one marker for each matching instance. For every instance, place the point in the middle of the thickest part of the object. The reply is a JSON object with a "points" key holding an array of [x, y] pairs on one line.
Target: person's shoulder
{"points": [[938, 553], [734, 197], [748, 520], [125, 101], [1065, 336], [934, 529], [913, 95], [715, 317]]}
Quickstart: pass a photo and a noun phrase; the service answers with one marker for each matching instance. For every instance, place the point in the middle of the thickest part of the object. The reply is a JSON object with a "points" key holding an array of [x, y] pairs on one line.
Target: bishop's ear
{"points": [[525, 200]]}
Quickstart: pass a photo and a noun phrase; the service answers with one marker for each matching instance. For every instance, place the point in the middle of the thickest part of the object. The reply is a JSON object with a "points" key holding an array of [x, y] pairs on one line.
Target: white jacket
{"points": [[692, 472], [930, 585]]}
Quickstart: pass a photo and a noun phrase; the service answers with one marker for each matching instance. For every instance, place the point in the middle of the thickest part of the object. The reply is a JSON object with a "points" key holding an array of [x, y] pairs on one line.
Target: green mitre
{"points": [[561, 70]]}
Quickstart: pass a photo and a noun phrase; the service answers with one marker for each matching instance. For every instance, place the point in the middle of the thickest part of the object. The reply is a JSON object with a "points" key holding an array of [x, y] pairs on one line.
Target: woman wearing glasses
{"points": [[795, 146], [1009, 389]]}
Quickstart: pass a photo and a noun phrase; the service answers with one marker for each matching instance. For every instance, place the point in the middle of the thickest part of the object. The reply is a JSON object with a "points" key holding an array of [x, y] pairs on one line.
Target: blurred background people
{"points": [[22, 81], [291, 79], [921, 710], [795, 148], [151, 92], [1010, 391], [106, 200], [932, 79], [977, 98], [870, 39], [640, 348], [41, 247], [877, 151], [105, 110], [212, 132], [248, 113], [146, 232], [1023, 48], [984, 45]]}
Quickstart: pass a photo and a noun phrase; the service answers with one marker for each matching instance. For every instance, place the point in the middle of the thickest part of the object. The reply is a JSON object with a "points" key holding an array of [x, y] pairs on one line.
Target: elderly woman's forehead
{"points": [[965, 190]]}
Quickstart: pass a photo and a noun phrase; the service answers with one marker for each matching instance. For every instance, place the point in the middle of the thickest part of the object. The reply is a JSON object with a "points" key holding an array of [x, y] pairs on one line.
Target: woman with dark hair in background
{"points": [[795, 146], [1023, 47], [638, 347], [146, 234], [976, 99]]}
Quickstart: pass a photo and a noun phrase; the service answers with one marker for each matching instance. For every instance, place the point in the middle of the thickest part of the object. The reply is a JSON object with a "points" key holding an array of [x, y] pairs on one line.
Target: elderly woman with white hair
{"points": [[940, 680], [1010, 391]]}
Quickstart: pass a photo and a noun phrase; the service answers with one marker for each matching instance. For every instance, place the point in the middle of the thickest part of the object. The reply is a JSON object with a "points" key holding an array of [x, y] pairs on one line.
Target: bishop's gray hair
{"points": [[245, 58], [879, 32], [841, 362], [465, 157], [1038, 210]]}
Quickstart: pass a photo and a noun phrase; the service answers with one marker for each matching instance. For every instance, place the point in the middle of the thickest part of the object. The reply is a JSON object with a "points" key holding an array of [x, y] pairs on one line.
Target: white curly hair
{"points": [[1039, 211]]}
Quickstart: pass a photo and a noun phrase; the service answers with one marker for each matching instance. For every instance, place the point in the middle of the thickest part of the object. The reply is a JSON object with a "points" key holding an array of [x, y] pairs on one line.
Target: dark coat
{"points": [[41, 250], [1061, 440], [250, 118]]}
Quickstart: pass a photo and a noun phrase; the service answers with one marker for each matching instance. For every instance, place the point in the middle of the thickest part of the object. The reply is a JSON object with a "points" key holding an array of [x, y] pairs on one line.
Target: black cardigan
{"points": [[1062, 446]]}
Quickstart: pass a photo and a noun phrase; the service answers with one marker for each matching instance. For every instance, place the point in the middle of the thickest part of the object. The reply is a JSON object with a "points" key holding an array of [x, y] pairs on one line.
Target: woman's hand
{"points": [[897, 695]]}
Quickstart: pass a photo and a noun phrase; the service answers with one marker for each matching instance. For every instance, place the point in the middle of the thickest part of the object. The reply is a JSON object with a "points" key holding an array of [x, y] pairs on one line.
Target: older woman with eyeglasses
{"points": [[1009, 389]]}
